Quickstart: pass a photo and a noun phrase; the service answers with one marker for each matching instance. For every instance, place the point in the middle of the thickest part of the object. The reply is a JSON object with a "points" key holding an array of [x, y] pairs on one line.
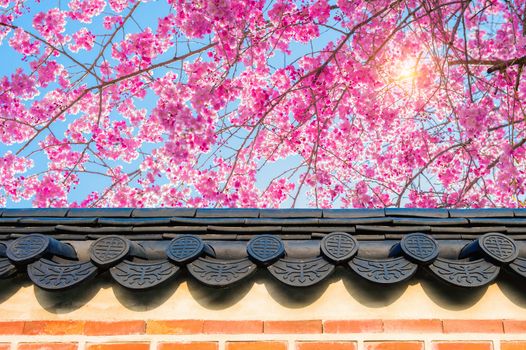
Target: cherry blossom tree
{"points": [[254, 103]]}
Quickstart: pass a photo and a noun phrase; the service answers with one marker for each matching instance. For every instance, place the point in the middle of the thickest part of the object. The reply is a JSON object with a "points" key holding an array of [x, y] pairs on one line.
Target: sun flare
{"points": [[405, 70]]}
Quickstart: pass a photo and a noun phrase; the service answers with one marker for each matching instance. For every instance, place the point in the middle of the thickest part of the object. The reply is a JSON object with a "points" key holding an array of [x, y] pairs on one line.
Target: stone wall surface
{"points": [[343, 312]]}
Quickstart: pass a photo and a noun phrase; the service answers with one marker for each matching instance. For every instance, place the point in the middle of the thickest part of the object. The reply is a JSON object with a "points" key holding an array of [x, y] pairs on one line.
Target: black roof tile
{"points": [[227, 213], [481, 213], [353, 213], [57, 221], [355, 221], [472, 229], [280, 221], [163, 212], [429, 221], [34, 212], [134, 221], [498, 221], [377, 233], [318, 229], [290, 213], [417, 212], [208, 221], [378, 228], [246, 229], [183, 228], [9, 221], [100, 212], [101, 230]]}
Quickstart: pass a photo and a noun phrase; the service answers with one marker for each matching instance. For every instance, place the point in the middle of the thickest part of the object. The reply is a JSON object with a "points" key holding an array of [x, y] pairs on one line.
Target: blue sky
{"points": [[142, 19]]}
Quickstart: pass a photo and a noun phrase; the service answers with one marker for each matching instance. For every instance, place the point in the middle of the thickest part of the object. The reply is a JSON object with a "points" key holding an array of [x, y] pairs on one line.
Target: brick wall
{"points": [[429, 334]]}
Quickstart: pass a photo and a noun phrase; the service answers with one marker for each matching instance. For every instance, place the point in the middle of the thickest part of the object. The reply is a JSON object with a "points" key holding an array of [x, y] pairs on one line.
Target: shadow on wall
{"points": [[366, 293]]}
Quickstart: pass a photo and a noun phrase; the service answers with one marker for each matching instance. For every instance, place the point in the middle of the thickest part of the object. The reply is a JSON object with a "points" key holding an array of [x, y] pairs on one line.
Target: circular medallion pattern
{"points": [[109, 251], [339, 246], [26, 249], [185, 248], [419, 247], [265, 249], [499, 247]]}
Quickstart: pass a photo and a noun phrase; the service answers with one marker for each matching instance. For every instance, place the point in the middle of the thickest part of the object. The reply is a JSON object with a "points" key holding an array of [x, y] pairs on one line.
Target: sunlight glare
{"points": [[405, 70]]}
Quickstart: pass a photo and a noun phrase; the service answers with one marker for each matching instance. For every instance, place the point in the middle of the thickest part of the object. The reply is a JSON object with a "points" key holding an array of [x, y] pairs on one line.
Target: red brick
{"points": [[118, 346], [462, 346], [424, 326], [174, 327], [188, 346], [256, 345], [514, 326], [472, 326], [402, 345], [54, 327], [353, 326], [338, 345], [306, 327], [47, 346], [233, 327], [114, 328], [513, 345], [15, 327]]}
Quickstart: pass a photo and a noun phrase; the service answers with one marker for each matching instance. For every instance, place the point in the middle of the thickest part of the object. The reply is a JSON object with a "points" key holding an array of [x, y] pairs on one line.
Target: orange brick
{"points": [[341, 345], [47, 346], [53, 327], [472, 326], [118, 346], [402, 345], [256, 345], [114, 328], [233, 327], [425, 326], [462, 346], [188, 346], [306, 327], [514, 326], [513, 345], [15, 327], [353, 326], [174, 326]]}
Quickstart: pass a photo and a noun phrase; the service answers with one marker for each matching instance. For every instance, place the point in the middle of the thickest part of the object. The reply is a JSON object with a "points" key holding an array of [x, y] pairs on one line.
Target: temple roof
{"points": [[142, 248]]}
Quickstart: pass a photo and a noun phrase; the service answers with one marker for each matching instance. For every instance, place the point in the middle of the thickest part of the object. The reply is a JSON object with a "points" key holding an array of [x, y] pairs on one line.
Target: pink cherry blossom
{"points": [[84, 40], [255, 103], [50, 24]]}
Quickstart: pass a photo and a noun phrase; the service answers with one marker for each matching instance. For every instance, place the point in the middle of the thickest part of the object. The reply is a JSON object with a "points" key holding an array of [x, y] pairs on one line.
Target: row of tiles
{"points": [[261, 213], [480, 261]]}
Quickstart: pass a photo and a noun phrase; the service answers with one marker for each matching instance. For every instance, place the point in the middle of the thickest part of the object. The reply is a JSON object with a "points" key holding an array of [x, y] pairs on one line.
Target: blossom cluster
{"points": [[254, 103]]}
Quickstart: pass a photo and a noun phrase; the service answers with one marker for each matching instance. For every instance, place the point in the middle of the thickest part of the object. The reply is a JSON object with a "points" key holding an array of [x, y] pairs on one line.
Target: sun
{"points": [[405, 70]]}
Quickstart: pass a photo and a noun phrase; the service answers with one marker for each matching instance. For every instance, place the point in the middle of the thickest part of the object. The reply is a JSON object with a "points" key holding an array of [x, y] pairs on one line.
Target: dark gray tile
{"points": [[355, 221], [481, 213], [100, 212], [417, 212], [57, 221], [34, 212], [163, 212], [392, 229], [279, 221], [430, 221], [134, 221], [290, 213], [352, 213], [227, 213]]}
